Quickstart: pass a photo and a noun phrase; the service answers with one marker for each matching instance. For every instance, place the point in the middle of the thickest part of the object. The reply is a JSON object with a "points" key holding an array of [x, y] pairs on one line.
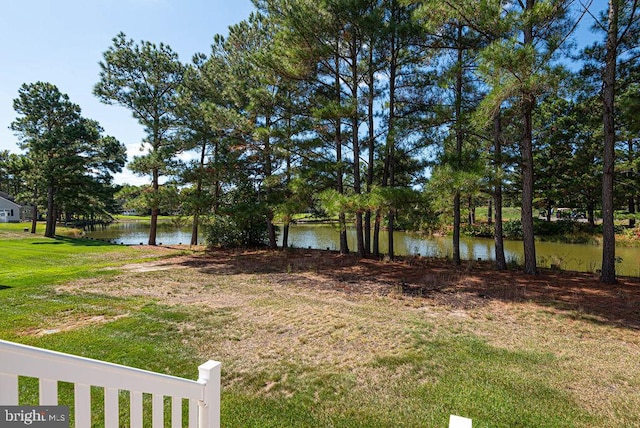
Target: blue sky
{"points": [[62, 41]]}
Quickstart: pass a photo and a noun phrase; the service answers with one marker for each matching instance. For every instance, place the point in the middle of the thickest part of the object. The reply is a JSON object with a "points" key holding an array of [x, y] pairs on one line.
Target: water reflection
{"points": [[586, 258]]}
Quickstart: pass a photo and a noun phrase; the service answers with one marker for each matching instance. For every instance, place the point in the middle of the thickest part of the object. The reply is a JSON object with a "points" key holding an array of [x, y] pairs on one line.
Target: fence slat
{"points": [[82, 402], [157, 405], [193, 414], [111, 408], [176, 412], [136, 409], [8, 389], [48, 392]]}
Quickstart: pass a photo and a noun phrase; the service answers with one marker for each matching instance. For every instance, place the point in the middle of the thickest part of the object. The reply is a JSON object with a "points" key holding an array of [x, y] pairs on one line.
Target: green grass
{"points": [[34, 266], [24, 229], [442, 376], [418, 373], [508, 213], [33, 260]]}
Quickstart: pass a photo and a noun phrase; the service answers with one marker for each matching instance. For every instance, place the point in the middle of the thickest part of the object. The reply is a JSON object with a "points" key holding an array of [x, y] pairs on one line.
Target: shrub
{"points": [[512, 229], [552, 228], [235, 231], [480, 230]]}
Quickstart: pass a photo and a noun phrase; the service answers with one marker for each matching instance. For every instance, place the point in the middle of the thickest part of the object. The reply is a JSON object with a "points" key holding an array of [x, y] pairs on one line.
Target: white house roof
{"points": [[5, 202]]}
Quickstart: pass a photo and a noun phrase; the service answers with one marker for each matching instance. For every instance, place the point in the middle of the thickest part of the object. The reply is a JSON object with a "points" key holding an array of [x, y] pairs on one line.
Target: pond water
{"points": [[578, 257]]}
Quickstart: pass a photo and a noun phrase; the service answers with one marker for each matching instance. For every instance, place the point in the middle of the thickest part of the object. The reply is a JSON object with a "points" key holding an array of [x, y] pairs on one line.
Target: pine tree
{"points": [[144, 78]]}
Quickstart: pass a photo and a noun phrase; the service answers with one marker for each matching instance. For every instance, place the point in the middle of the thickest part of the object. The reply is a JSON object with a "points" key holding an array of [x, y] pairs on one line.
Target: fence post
{"points": [[459, 422], [209, 410]]}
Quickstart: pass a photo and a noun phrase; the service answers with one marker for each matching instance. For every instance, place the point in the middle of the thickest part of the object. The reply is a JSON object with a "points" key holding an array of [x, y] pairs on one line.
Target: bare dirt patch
{"points": [[71, 324], [154, 266]]}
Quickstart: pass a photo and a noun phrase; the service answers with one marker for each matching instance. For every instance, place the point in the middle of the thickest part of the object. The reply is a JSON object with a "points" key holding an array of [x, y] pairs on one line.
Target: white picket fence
{"points": [[52, 367]]}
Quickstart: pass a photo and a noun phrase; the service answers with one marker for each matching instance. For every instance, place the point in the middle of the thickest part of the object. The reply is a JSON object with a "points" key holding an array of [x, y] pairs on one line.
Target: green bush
{"points": [[552, 228], [618, 228], [512, 229], [235, 231], [480, 230], [563, 230]]}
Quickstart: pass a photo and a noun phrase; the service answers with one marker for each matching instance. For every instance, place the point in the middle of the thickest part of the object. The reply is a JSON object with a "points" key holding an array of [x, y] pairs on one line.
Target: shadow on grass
{"points": [[4, 287], [82, 242], [472, 285]]}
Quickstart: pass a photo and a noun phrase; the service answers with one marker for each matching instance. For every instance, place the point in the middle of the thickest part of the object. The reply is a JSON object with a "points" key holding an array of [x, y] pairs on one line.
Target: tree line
{"points": [[388, 114]]}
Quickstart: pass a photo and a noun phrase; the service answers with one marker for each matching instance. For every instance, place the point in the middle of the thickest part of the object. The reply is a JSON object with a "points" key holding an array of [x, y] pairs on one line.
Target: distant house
{"points": [[10, 212]]}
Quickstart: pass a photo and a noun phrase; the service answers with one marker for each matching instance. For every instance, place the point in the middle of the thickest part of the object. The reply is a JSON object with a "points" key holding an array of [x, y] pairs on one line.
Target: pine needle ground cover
{"points": [[316, 339]]}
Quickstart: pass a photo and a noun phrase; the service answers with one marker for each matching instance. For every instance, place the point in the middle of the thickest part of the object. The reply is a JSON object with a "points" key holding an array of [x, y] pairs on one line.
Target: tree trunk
{"points": [[34, 212], [285, 236], [391, 229], [194, 227], [268, 171], [50, 230], [608, 275], [271, 230], [344, 245], [153, 230], [359, 235], [34, 220], [456, 228], [196, 214], [490, 212], [367, 232], [371, 146], [472, 212], [355, 126], [376, 233], [458, 130], [526, 148], [631, 201], [55, 220], [527, 194], [498, 236], [288, 193], [391, 136]]}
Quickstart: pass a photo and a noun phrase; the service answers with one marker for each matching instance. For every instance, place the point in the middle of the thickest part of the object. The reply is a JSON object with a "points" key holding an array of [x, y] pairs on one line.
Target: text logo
{"points": [[34, 416]]}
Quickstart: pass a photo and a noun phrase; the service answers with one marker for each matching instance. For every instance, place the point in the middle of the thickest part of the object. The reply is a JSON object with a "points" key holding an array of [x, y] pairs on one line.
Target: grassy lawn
{"points": [[297, 356], [508, 213]]}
